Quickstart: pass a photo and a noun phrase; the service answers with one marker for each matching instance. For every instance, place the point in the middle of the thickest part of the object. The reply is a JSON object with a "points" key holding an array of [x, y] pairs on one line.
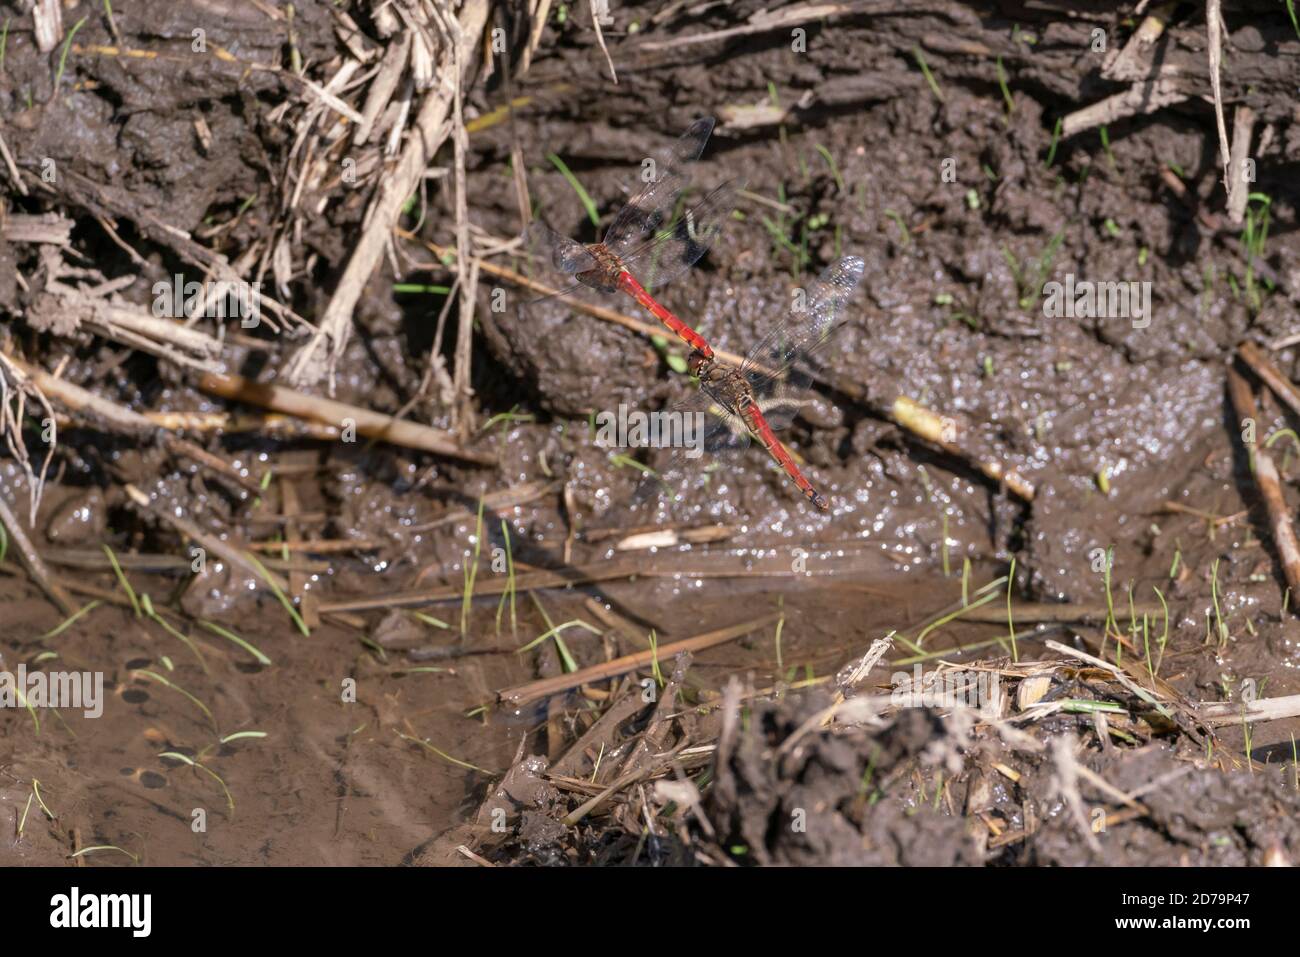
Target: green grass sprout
{"points": [[1056, 139], [63, 56], [780, 626], [70, 620], [1011, 625], [430, 620], [1164, 637], [925, 70], [186, 759], [154, 676], [510, 582], [36, 790], [4, 41], [240, 735], [147, 604], [471, 571], [654, 658], [121, 580], [275, 589], [232, 637], [106, 847], [443, 754], [583, 196], [1006, 90], [835, 170]]}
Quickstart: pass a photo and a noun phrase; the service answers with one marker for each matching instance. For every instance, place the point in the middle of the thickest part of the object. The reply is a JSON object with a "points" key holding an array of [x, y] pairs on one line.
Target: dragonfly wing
{"points": [[817, 310], [671, 251], [531, 310], [713, 431], [666, 177], [775, 367], [690, 144], [563, 253]]}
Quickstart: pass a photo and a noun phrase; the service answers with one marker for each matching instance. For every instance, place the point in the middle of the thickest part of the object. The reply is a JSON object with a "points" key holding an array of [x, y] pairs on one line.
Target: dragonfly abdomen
{"points": [[627, 282], [763, 432]]}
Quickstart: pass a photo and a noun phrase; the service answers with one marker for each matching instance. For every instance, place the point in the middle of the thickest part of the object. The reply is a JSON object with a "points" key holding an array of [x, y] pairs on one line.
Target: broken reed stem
{"points": [[1269, 483], [600, 39], [545, 687], [1214, 39], [1130, 64], [31, 560], [95, 560], [1119, 675], [122, 420], [1270, 374], [187, 449], [77, 399], [1036, 612], [1243, 125], [626, 566], [292, 508], [430, 129], [327, 546], [1145, 96], [1219, 713], [467, 267], [943, 432], [188, 530], [374, 425], [77, 586]]}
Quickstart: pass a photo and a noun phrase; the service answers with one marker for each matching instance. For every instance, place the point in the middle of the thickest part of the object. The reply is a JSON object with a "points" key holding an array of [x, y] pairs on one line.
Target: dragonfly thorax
{"points": [[603, 276], [727, 385]]}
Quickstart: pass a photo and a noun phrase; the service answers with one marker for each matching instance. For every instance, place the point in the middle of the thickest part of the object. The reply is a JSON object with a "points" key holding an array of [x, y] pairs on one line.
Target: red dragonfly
{"points": [[763, 394], [650, 242]]}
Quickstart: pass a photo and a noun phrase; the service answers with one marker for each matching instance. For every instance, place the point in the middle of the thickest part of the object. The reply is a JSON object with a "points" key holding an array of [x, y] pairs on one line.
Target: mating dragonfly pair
{"points": [[652, 241]]}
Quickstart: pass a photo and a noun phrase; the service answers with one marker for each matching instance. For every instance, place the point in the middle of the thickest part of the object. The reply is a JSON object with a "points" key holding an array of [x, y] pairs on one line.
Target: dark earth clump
{"points": [[861, 798], [925, 138]]}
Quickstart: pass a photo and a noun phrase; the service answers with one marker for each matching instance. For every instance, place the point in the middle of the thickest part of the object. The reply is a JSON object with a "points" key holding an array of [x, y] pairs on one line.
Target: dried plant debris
{"points": [[921, 787], [278, 360]]}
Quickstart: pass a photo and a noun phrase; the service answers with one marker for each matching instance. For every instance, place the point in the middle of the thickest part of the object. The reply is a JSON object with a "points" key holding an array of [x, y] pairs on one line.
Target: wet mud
{"points": [[381, 737]]}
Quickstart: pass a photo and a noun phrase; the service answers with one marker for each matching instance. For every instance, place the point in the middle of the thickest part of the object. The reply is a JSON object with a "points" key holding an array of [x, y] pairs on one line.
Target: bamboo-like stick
{"points": [[944, 432], [187, 529], [1220, 713], [318, 409], [1270, 485], [545, 687], [31, 560], [1270, 374]]}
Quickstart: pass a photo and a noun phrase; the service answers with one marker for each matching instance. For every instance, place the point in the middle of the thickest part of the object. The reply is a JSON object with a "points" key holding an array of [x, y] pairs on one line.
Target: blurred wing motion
{"points": [[649, 210], [673, 250]]}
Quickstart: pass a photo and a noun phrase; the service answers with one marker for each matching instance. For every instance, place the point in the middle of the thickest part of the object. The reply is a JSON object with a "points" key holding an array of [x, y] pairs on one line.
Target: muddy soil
{"points": [[878, 798], [381, 734]]}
